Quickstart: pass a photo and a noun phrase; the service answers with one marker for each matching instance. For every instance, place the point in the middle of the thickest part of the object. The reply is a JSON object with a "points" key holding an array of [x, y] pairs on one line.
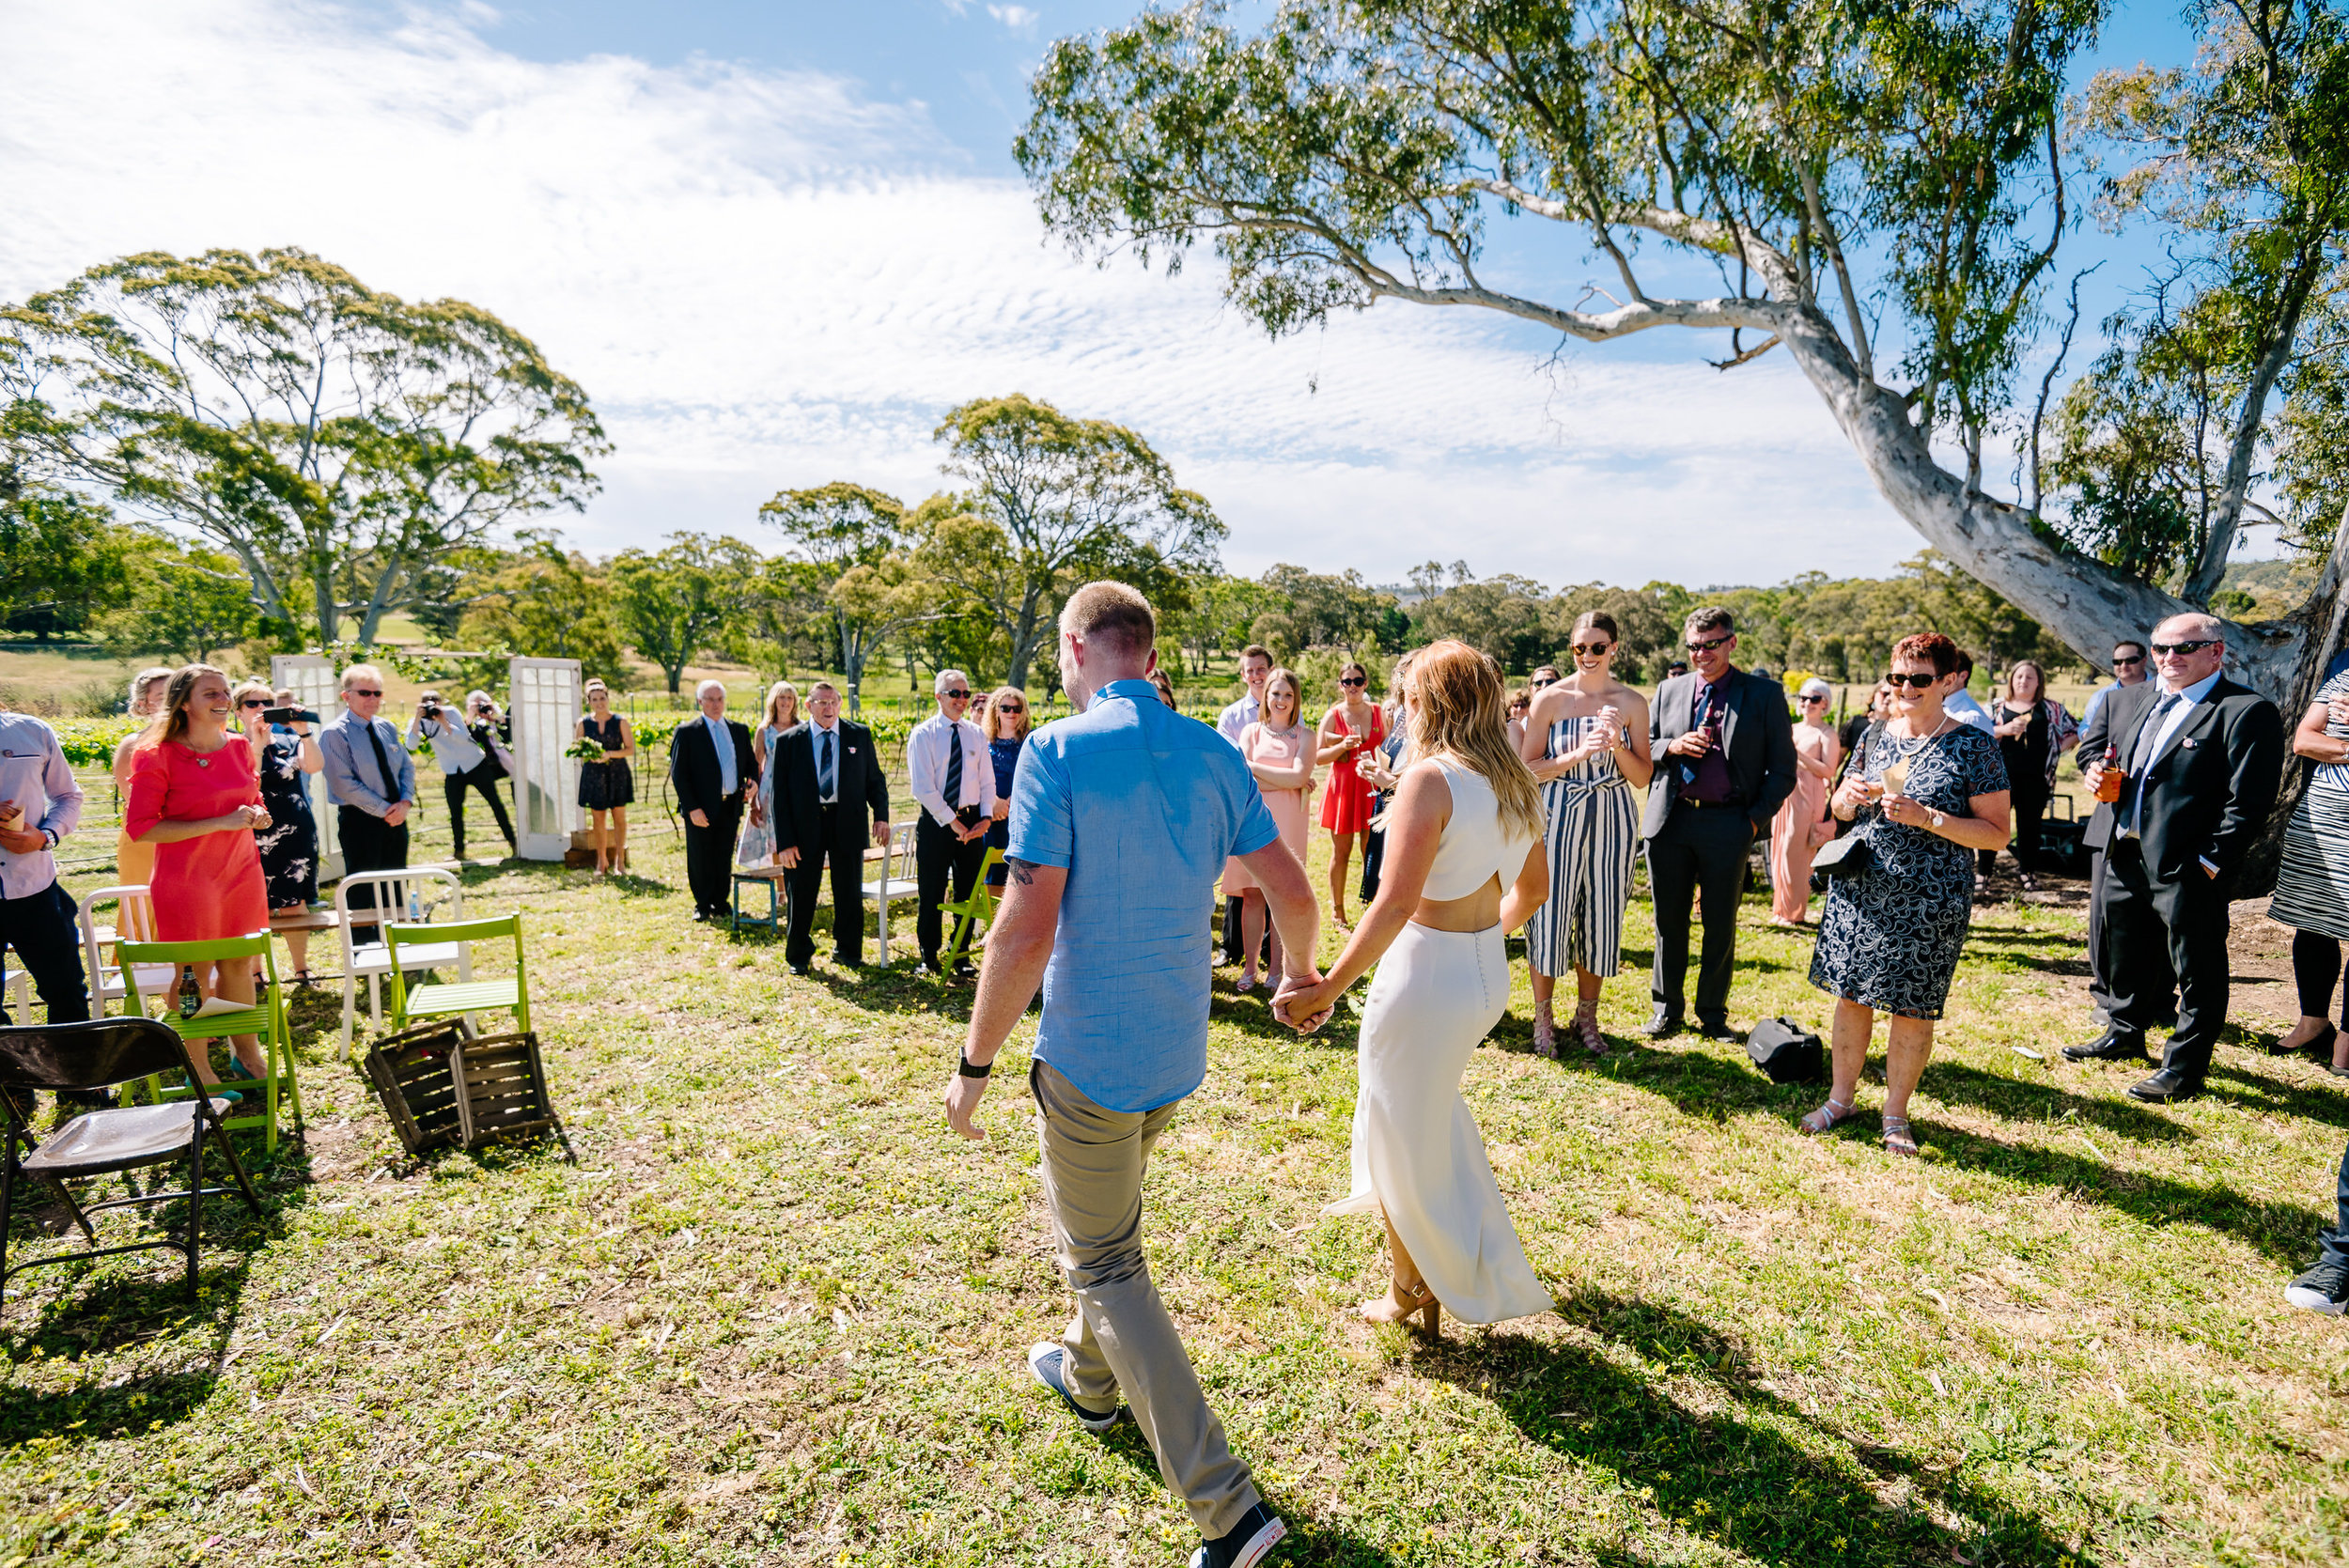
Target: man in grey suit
{"points": [[1724, 750]]}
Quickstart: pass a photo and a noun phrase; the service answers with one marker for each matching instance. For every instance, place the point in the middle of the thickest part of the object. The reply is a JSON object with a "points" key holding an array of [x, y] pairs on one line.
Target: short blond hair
{"points": [[358, 673], [1108, 612]]}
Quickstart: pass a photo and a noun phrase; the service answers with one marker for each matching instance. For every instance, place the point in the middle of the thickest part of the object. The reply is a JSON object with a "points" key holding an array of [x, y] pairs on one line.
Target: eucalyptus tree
{"points": [[1878, 191], [836, 528], [334, 439], [1067, 498], [677, 603]]}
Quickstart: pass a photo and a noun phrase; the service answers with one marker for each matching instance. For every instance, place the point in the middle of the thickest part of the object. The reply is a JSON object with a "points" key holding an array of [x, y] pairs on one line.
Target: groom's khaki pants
{"points": [[1122, 1338]]}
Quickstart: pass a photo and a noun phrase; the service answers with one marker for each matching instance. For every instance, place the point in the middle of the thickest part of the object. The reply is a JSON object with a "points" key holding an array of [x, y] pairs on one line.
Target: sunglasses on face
{"points": [[254, 702], [1815, 697], [1710, 644], [2120, 659], [1541, 681], [363, 691], [1011, 708], [2165, 650], [1592, 650], [1918, 680], [1352, 680]]}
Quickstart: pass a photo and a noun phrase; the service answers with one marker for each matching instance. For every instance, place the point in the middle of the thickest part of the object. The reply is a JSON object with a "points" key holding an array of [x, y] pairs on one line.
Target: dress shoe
{"points": [[1719, 1030], [2108, 1047], [2165, 1086], [801, 969], [1662, 1026]]}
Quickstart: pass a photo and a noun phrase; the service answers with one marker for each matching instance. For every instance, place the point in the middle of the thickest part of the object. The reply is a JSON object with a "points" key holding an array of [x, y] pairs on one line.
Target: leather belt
{"points": [[1708, 805]]}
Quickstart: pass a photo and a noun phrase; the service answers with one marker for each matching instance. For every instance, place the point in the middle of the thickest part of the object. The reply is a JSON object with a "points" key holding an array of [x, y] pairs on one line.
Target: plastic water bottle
{"points": [[415, 909]]}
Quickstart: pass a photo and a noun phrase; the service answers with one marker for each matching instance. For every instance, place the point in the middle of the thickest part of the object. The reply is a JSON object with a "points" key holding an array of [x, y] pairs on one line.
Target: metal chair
{"points": [[97, 1055], [398, 892], [899, 883], [468, 996], [134, 912], [266, 1018]]}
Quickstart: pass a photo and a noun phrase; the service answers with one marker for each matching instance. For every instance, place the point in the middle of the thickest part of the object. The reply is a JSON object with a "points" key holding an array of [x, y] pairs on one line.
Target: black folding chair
{"points": [[97, 1055]]}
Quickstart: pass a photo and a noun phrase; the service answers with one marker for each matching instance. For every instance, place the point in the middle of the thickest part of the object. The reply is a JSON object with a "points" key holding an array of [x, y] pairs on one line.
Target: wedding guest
{"points": [[949, 773], [782, 711], [290, 844], [1544, 674], [466, 766], [1929, 791], [1280, 752], [1586, 743], [1674, 670], [371, 781], [1256, 664], [1006, 729], [1465, 866], [2312, 881], [134, 863], [1726, 765], [40, 804], [1521, 701], [607, 788], [1381, 768], [1801, 826], [830, 792], [1166, 688], [196, 796], [1961, 705], [493, 732], [2200, 756], [1122, 817], [710, 769], [2324, 1288], [2032, 730], [2129, 669], [1352, 724]]}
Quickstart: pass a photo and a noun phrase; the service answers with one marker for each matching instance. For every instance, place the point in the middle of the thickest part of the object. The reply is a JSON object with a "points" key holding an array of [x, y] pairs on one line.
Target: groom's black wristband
{"points": [[968, 1070]]}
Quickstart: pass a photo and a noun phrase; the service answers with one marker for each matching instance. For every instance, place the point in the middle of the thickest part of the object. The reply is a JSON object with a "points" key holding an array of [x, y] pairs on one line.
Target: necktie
{"points": [[383, 764], [953, 768], [825, 786], [2148, 739], [722, 742]]}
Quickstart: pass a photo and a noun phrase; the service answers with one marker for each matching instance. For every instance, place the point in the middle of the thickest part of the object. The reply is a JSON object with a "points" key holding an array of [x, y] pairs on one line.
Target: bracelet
{"points": [[968, 1070]]}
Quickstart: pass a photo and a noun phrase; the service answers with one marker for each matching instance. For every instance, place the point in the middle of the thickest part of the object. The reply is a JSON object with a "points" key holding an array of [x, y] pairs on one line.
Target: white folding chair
{"points": [[134, 921], [413, 894], [895, 881]]}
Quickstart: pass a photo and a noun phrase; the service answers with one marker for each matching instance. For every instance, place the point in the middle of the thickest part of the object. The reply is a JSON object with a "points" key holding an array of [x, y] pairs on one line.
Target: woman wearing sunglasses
{"points": [[1352, 724], [1928, 792], [1005, 726], [1586, 742]]}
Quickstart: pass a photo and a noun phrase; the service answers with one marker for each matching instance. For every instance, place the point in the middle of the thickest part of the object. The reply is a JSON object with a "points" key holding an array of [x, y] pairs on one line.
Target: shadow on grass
{"points": [[1308, 1541], [130, 1299], [1732, 1474]]}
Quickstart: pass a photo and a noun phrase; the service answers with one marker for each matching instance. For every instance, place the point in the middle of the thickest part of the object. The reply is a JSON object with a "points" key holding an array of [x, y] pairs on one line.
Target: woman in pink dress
{"points": [[1280, 752], [197, 795], [1802, 824]]}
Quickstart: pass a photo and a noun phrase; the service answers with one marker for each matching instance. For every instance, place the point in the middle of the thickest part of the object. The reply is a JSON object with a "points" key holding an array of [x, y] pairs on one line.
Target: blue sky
{"points": [[776, 242]]}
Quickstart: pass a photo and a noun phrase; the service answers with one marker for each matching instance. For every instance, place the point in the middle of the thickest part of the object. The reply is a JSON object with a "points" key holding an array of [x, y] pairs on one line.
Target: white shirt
{"points": [[1960, 704], [452, 748], [1239, 717], [2172, 722], [927, 751]]}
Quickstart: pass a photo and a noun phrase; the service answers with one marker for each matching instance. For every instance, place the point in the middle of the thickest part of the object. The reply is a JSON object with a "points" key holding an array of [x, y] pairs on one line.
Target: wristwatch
{"points": [[1938, 819]]}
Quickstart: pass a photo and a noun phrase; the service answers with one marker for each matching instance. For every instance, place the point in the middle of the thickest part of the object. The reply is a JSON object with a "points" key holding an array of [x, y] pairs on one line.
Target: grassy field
{"points": [[775, 1314]]}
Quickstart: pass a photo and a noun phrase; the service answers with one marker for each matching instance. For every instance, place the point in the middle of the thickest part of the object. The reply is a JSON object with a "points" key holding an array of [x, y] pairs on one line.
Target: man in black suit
{"points": [[713, 770], [829, 783], [1724, 750], [2200, 757]]}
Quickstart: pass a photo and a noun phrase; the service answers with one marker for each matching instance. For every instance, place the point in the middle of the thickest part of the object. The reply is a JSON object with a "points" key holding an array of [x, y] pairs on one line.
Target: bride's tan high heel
{"points": [[1401, 1305]]}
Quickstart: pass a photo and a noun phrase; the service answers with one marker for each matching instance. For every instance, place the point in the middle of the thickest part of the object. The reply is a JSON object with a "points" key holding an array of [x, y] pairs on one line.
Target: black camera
{"points": [[430, 710], [289, 716]]}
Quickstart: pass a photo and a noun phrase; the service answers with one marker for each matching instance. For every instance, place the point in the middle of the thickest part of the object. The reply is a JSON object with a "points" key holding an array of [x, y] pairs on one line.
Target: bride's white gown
{"points": [[1417, 1153]]}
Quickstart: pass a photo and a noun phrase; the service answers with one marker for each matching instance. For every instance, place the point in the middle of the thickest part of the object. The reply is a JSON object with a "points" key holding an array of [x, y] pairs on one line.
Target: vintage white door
{"points": [[544, 702], [317, 686]]}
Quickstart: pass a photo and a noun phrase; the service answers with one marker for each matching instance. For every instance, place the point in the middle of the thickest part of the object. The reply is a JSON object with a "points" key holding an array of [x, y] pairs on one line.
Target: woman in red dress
{"points": [[1352, 724], [196, 794]]}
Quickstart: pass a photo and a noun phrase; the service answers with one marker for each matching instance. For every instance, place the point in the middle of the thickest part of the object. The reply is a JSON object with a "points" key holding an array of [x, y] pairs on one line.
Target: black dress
{"points": [[1890, 937], [290, 844], [603, 785]]}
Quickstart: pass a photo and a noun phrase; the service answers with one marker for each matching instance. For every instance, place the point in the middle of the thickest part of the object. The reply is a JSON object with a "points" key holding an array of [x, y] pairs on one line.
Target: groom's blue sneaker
{"points": [[1045, 1361], [1250, 1542]]}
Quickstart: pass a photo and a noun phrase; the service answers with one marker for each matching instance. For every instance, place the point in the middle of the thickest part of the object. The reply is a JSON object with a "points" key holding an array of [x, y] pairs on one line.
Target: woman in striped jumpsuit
{"points": [[1586, 740]]}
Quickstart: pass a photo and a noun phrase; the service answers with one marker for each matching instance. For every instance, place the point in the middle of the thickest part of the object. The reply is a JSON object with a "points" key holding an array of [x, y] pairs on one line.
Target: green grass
{"points": [[775, 1314]]}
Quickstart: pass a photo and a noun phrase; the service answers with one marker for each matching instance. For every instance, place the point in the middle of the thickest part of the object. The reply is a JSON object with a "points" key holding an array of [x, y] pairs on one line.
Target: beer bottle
{"points": [[191, 994], [2108, 782]]}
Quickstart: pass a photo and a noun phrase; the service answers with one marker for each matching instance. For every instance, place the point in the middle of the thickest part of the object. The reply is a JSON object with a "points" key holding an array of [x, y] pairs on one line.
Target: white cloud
{"points": [[1018, 18], [766, 279]]}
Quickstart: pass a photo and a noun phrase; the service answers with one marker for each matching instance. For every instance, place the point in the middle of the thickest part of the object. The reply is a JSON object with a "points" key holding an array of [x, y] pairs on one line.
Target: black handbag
{"points": [[1846, 854], [2059, 841], [1786, 1052]]}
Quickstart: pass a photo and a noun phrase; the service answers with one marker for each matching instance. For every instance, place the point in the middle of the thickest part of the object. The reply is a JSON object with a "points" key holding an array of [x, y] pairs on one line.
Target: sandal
{"points": [[1244, 984], [1544, 1036], [1827, 1118], [1586, 1020], [1898, 1139]]}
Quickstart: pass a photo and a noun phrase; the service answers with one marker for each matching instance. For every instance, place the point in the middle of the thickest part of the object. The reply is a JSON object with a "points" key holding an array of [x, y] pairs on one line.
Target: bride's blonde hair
{"points": [[1458, 711]]}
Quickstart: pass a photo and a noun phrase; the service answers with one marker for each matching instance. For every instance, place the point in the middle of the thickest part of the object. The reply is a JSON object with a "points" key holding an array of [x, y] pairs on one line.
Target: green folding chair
{"points": [[439, 999], [143, 962], [972, 912]]}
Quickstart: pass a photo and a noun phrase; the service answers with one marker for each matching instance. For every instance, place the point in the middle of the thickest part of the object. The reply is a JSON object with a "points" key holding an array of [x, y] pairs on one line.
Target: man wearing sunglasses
{"points": [[372, 780], [1724, 750], [2129, 669], [2200, 756], [951, 775]]}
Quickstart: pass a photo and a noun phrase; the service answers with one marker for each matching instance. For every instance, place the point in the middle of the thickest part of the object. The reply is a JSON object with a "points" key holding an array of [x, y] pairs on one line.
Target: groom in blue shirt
{"points": [[1121, 820]]}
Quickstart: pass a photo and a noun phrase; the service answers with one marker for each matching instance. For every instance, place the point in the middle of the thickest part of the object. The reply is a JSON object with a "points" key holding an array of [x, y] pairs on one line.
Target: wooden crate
{"points": [[501, 1089], [411, 1075]]}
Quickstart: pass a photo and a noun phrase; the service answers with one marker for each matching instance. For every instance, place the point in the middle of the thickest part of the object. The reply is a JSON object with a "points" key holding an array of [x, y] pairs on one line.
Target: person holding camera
{"points": [[466, 763], [284, 756], [952, 777]]}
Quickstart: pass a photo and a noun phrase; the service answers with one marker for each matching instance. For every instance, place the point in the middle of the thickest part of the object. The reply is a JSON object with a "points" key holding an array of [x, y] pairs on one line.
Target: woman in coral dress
{"points": [[1801, 825], [1352, 724], [1280, 752], [196, 795]]}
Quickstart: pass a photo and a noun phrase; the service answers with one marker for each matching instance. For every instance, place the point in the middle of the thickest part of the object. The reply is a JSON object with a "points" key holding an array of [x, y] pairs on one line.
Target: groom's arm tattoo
{"points": [[1022, 872]]}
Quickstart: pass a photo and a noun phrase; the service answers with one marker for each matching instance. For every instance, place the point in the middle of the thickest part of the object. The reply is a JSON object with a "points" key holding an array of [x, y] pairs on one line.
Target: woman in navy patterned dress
{"points": [[1928, 793]]}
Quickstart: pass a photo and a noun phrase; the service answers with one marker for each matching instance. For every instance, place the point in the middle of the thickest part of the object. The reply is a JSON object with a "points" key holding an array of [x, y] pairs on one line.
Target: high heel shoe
{"points": [[1586, 1023], [1401, 1305]]}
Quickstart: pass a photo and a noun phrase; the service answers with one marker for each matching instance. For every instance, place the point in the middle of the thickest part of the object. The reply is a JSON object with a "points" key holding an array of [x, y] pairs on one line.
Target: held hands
{"points": [[1304, 1001], [254, 817]]}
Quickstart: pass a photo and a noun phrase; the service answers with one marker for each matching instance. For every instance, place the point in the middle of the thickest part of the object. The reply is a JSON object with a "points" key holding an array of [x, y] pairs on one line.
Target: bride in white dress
{"points": [[1464, 865]]}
